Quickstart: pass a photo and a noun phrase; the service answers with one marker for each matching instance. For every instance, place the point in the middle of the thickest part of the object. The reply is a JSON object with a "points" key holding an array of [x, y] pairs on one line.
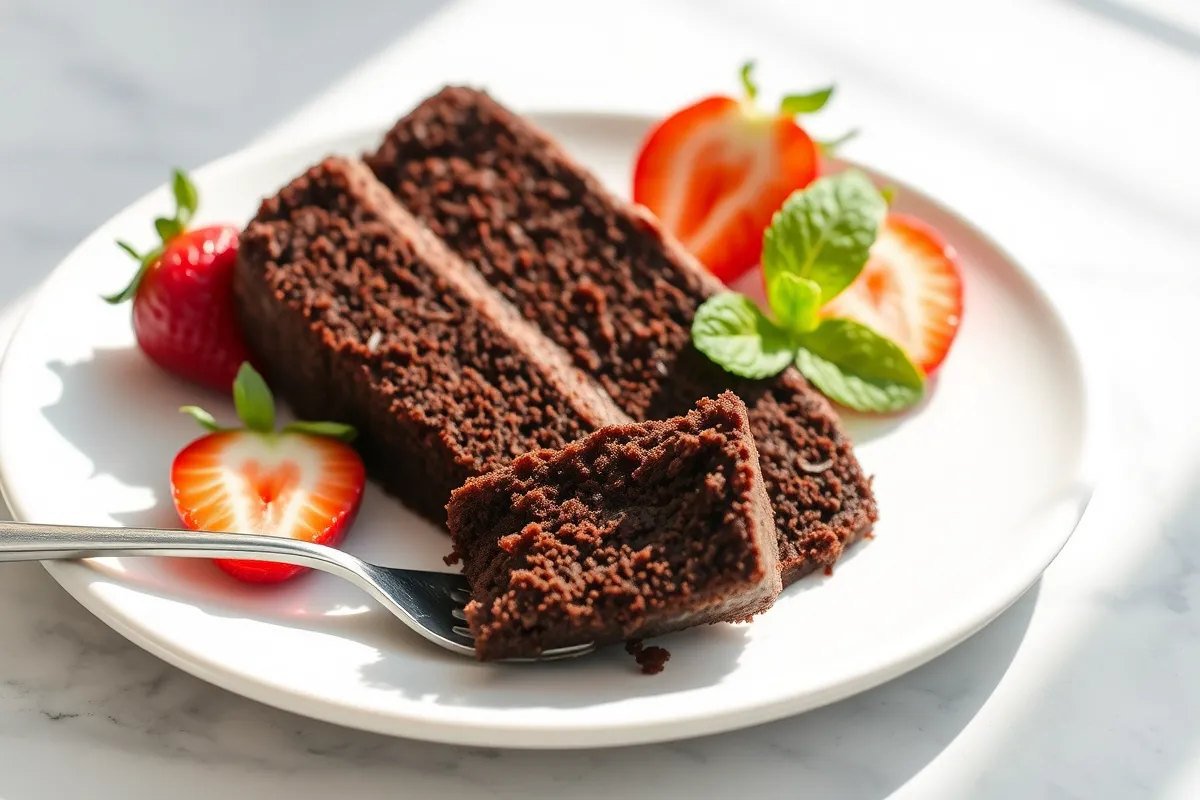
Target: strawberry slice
{"points": [[303, 482], [910, 291], [716, 171]]}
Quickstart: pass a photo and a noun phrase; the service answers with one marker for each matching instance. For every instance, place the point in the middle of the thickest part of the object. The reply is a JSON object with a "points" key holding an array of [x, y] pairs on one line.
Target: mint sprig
{"points": [[856, 366], [731, 330], [824, 233], [255, 405], [816, 246]]}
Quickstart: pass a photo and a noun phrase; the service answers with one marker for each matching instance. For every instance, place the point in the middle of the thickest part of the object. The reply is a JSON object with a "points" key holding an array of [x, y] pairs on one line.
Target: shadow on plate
{"points": [[863, 428], [132, 397]]}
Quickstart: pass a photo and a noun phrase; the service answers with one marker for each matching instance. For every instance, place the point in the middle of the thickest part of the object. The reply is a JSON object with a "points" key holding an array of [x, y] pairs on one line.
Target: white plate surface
{"points": [[978, 489]]}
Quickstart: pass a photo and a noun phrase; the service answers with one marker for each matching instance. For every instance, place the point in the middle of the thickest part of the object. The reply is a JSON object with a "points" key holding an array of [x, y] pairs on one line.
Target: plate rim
{"points": [[72, 576]]}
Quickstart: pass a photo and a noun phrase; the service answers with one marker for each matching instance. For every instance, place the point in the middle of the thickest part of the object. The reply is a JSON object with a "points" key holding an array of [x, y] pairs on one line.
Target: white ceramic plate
{"points": [[978, 490]]}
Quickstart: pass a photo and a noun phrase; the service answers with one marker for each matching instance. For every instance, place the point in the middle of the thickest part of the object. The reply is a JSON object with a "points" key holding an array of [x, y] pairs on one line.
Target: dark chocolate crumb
{"points": [[652, 660], [598, 277]]}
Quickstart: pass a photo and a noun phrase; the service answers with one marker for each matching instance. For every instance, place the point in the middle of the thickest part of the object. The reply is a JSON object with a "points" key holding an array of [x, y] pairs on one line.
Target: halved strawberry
{"points": [[303, 482], [716, 171], [910, 291]]}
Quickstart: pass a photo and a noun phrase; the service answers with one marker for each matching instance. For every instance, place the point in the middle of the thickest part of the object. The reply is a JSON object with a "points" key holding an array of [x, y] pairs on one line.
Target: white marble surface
{"points": [[1067, 129]]}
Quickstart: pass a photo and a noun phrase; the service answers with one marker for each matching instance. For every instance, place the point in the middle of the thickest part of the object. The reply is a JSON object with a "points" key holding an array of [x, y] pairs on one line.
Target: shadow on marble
{"points": [[1121, 714], [1006, 135], [168, 101]]}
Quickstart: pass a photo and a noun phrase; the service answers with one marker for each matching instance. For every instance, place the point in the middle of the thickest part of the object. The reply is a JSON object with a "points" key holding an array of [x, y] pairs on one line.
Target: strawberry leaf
{"points": [[186, 199], [748, 84], [794, 104], [735, 334], [168, 229], [146, 261], [128, 248], [824, 232], [333, 430], [855, 366], [201, 416], [795, 302], [253, 400], [830, 147]]}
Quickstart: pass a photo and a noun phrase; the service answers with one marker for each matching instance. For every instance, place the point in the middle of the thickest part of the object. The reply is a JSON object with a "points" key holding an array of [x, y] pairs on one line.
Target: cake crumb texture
{"points": [[358, 314], [600, 279], [636, 530]]}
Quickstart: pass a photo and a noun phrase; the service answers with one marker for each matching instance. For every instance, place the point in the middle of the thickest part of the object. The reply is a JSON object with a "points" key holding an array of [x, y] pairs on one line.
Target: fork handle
{"points": [[20, 541]]}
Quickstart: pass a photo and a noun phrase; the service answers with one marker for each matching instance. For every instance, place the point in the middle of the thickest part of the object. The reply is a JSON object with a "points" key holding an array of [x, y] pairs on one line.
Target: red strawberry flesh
{"points": [[295, 485], [910, 291]]}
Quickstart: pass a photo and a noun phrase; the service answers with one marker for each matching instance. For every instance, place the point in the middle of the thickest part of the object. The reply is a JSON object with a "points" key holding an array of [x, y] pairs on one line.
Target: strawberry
{"points": [[182, 293], [304, 482], [716, 171], [909, 291]]}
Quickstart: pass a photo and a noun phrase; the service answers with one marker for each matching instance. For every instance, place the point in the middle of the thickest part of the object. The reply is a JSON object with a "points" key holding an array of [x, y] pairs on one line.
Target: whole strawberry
{"points": [[183, 314]]}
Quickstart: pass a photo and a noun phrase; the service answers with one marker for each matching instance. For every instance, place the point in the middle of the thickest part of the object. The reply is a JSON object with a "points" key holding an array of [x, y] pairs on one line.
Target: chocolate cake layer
{"points": [[358, 314], [634, 531], [599, 277]]}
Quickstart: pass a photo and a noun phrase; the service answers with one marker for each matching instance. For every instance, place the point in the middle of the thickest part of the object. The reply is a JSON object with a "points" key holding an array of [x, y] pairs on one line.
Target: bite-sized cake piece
{"points": [[599, 278], [637, 530], [358, 314]]}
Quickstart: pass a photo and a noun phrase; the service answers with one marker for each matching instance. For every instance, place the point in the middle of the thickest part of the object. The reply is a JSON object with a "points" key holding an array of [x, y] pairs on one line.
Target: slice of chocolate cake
{"points": [[358, 314], [637, 530], [599, 278]]}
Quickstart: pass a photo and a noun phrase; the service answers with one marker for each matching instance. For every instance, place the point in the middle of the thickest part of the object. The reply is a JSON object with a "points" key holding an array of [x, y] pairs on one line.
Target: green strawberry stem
{"points": [[830, 147], [255, 406], [168, 228], [792, 104], [748, 84]]}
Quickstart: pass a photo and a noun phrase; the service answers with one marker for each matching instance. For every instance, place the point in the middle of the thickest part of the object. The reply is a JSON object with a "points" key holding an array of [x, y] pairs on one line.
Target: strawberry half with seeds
{"points": [[182, 293], [715, 172], [910, 291], [303, 482]]}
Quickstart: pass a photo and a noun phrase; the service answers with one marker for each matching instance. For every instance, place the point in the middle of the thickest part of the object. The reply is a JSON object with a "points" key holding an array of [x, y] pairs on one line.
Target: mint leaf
{"points": [[794, 104], [795, 301], [334, 430], [825, 232], [206, 420], [186, 199], [253, 400], [748, 84], [734, 333], [855, 366]]}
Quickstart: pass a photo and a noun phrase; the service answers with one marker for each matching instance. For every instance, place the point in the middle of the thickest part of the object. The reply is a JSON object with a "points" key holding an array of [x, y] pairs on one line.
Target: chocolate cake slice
{"points": [[599, 278], [634, 531], [358, 314]]}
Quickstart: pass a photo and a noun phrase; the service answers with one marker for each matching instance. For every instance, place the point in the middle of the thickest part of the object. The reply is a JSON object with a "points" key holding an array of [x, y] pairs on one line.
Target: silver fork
{"points": [[431, 603]]}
